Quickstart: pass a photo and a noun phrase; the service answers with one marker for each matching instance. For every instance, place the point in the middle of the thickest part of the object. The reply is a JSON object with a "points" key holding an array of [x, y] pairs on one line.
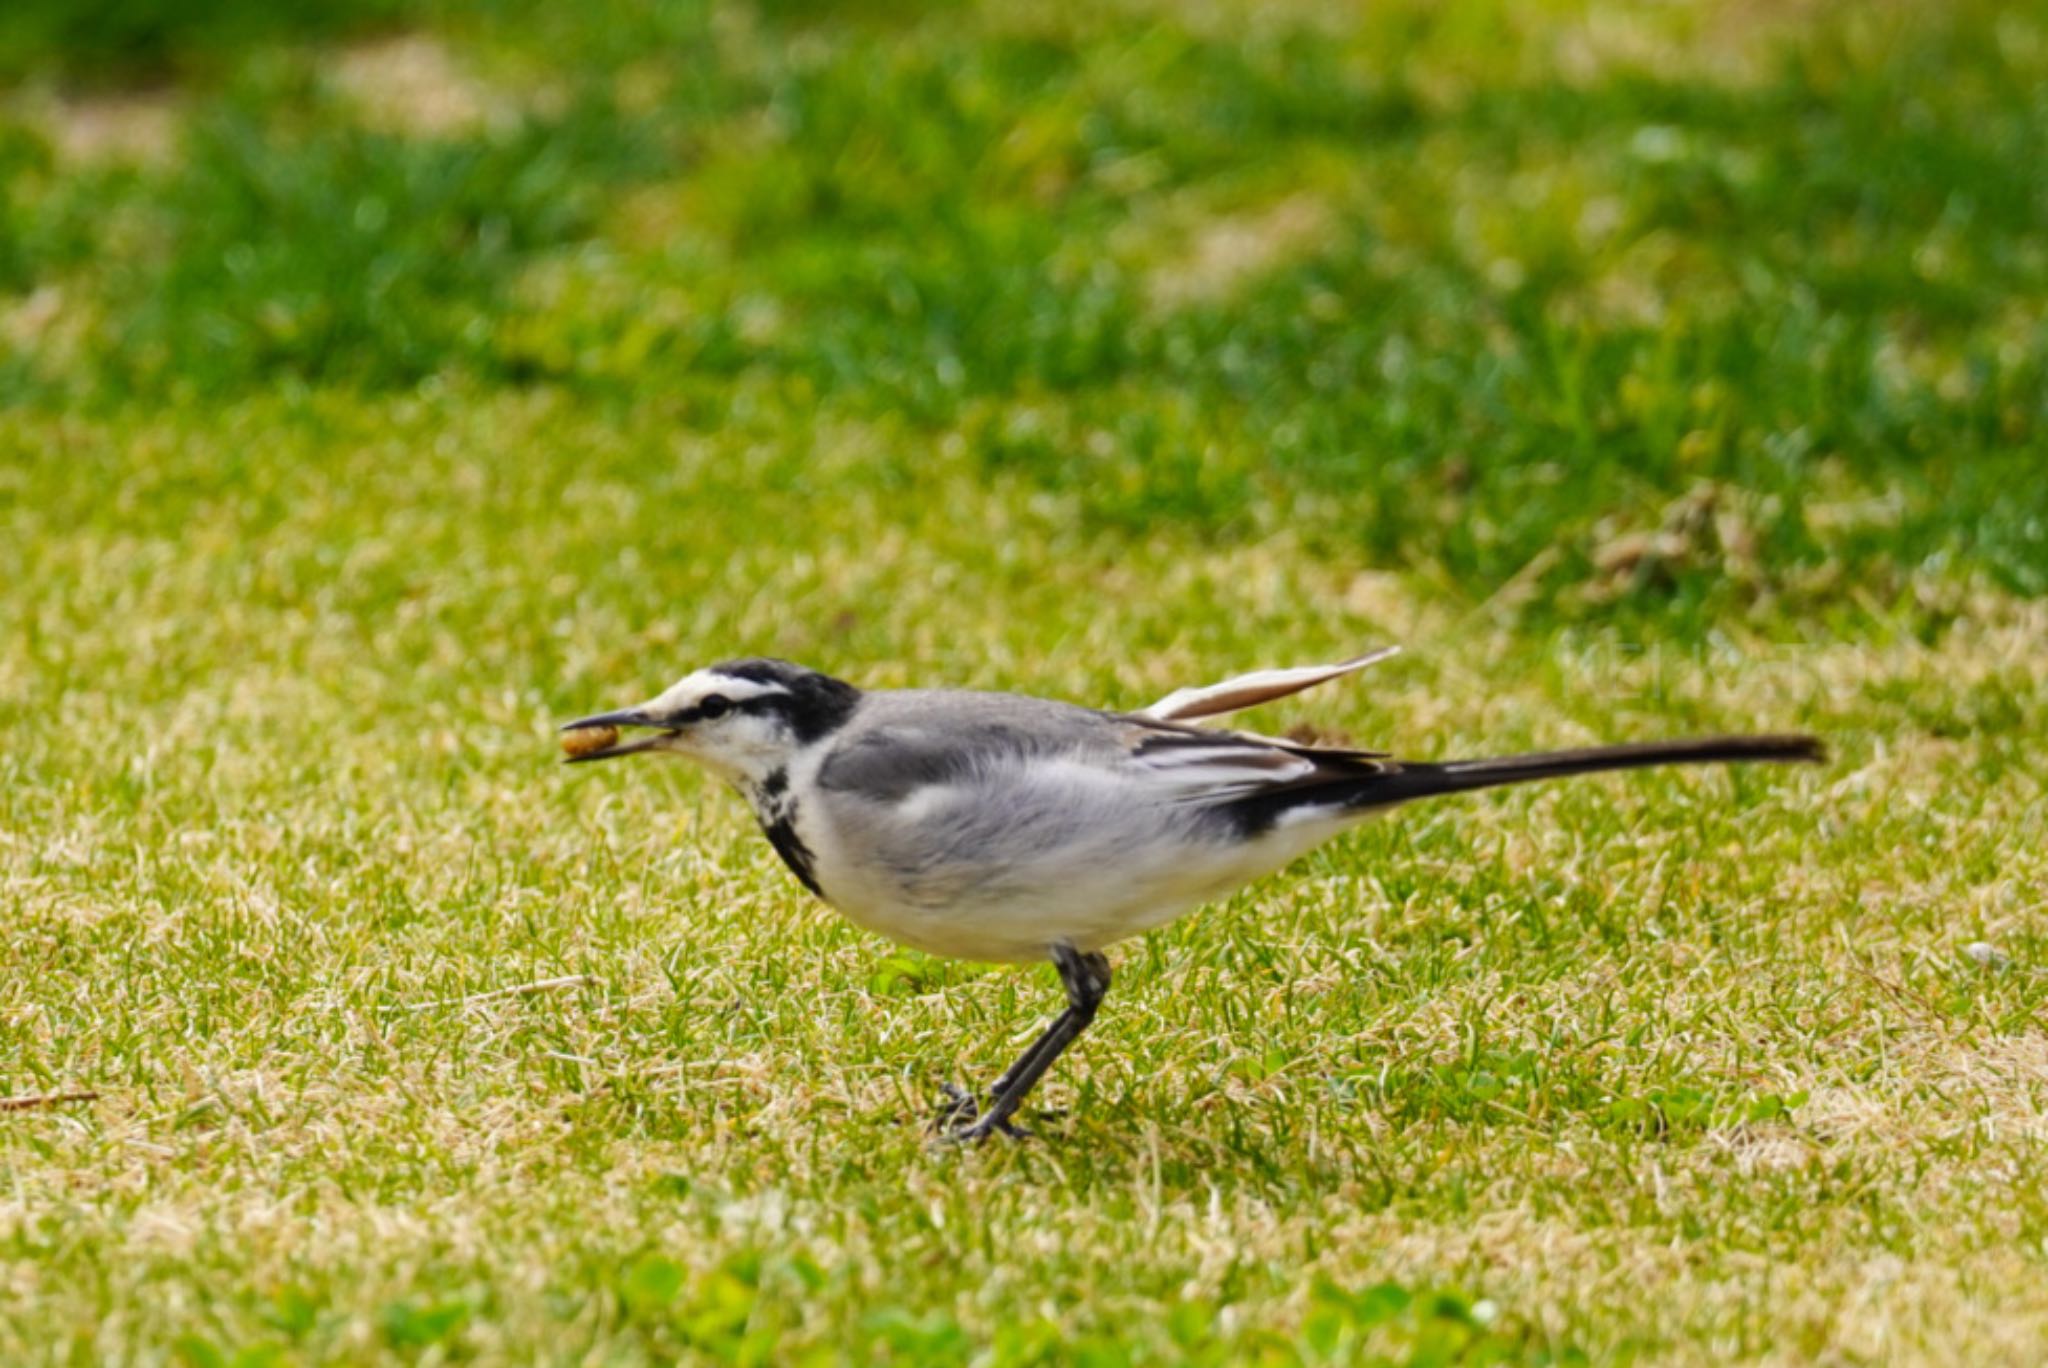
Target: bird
{"points": [[1007, 828]]}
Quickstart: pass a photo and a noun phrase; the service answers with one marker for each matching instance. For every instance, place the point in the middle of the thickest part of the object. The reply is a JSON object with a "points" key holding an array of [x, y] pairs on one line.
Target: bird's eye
{"points": [[716, 705]]}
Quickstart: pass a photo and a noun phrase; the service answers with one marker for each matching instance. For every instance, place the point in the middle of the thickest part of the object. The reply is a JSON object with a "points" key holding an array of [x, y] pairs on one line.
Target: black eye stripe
{"points": [[714, 706], [810, 704]]}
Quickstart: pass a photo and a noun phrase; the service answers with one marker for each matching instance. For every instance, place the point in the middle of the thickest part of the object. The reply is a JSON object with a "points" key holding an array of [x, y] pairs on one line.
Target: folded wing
{"points": [[1194, 765]]}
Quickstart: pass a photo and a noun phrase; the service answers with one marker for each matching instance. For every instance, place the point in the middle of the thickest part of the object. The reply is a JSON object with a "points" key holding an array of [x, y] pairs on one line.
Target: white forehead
{"points": [[694, 688]]}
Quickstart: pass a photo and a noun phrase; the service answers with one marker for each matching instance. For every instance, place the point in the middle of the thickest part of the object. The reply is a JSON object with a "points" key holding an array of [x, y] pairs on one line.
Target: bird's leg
{"points": [[961, 1107], [1086, 978]]}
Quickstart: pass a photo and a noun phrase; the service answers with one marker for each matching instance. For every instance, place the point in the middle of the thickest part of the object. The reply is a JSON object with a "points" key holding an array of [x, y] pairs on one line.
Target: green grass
{"points": [[1641, 372]]}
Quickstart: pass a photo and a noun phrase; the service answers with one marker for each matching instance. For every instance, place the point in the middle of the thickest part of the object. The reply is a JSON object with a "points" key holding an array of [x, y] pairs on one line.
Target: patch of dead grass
{"points": [[135, 127], [1222, 256], [413, 85]]}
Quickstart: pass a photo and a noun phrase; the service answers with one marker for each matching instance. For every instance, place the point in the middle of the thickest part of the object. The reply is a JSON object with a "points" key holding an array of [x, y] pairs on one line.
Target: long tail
{"points": [[1414, 779]]}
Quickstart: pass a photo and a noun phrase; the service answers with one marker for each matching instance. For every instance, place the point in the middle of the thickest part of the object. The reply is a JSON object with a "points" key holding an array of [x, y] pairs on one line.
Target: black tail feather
{"points": [[1406, 780], [1417, 780]]}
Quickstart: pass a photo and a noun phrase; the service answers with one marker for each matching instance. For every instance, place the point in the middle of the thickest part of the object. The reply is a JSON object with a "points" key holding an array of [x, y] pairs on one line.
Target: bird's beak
{"points": [[625, 717]]}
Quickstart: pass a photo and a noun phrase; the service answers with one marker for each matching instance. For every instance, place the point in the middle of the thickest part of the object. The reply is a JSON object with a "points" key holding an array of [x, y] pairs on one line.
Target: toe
{"points": [[956, 1107]]}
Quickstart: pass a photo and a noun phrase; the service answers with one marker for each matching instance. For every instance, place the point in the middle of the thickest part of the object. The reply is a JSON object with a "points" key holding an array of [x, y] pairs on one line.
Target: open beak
{"points": [[625, 717]]}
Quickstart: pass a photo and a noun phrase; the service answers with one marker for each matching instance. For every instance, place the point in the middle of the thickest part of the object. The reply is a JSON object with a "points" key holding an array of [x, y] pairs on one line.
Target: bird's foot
{"points": [[956, 1104], [961, 1119]]}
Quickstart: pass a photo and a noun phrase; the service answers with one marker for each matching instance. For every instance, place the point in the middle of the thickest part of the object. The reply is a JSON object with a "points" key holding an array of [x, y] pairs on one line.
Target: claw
{"points": [[957, 1106], [973, 1132], [960, 1120]]}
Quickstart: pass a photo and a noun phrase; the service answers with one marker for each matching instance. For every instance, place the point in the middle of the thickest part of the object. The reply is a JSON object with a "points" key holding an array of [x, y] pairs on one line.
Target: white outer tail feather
{"points": [[1249, 690]]}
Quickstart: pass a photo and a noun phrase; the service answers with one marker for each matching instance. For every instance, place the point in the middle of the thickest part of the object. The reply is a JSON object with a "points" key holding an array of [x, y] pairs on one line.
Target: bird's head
{"points": [[743, 720]]}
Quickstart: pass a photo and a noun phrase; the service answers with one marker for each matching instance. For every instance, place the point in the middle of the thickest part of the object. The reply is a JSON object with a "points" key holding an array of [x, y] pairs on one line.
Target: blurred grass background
{"points": [[1498, 290], [381, 381]]}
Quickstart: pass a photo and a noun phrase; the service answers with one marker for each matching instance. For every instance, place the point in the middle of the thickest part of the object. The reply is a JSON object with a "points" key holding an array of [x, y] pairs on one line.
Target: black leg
{"points": [[960, 1107], [1086, 978]]}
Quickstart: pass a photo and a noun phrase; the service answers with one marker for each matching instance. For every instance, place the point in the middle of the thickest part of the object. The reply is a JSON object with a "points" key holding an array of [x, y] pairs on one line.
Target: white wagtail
{"points": [[993, 826]]}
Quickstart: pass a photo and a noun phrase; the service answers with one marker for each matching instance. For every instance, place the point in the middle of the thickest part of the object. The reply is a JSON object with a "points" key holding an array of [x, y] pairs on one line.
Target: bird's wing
{"points": [[918, 740], [1198, 765], [909, 739], [1248, 690]]}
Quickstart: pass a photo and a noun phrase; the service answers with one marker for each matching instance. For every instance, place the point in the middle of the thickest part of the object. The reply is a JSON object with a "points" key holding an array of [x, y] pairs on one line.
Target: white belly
{"points": [[1078, 858]]}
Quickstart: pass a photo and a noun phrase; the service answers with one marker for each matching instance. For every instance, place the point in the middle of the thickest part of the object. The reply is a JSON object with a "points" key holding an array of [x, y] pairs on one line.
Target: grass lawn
{"points": [[382, 383]]}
